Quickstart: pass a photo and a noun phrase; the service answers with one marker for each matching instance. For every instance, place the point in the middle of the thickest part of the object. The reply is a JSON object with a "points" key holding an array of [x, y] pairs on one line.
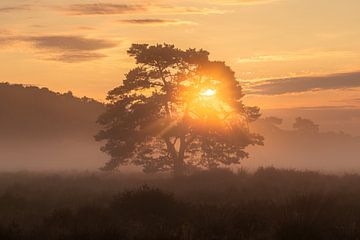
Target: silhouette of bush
{"points": [[146, 202]]}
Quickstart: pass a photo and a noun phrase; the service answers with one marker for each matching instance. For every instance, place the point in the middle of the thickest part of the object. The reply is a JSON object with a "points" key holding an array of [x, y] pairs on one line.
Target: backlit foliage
{"points": [[176, 110]]}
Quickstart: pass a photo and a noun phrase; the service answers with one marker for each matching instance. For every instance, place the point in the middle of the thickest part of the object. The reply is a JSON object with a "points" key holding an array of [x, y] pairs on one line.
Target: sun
{"points": [[206, 104], [208, 92]]}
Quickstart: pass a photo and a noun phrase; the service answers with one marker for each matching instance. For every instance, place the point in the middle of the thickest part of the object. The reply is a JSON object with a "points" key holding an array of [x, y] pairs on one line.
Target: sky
{"points": [[286, 53]]}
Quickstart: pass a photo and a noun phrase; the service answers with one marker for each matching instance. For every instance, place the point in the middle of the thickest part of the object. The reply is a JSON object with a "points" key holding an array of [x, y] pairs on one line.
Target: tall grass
{"points": [[267, 204]]}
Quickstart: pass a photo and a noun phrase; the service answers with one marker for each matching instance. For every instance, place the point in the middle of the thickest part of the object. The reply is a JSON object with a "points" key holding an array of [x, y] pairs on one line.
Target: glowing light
{"points": [[208, 92]]}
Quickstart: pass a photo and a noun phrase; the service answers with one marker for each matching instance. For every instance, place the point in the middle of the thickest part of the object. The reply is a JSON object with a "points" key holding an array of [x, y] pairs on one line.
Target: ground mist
{"points": [[267, 204]]}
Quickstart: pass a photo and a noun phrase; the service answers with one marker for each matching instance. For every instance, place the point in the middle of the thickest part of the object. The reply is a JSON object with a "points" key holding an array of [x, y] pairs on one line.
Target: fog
{"points": [[45, 131], [50, 155], [326, 151]]}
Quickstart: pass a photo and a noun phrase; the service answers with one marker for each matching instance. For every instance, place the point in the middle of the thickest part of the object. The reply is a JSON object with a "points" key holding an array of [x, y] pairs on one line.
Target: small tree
{"points": [[305, 125], [176, 110]]}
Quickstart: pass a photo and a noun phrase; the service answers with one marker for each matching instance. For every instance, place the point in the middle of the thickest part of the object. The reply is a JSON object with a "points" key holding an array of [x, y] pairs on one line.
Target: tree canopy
{"points": [[176, 110], [305, 125]]}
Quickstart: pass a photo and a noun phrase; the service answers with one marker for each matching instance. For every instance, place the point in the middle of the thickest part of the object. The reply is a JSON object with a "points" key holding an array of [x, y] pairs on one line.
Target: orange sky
{"points": [[81, 45]]}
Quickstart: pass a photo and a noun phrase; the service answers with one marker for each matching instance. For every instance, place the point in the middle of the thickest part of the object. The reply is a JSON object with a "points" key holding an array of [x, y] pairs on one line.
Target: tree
{"points": [[176, 110], [305, 125]]}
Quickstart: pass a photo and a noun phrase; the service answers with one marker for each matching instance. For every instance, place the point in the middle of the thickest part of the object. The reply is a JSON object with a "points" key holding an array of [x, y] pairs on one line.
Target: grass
{"points": [[267, 204]]}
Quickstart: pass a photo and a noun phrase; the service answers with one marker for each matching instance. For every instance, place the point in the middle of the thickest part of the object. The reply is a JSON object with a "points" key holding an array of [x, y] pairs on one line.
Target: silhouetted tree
{"points": [[176, 110], [305, 125]]}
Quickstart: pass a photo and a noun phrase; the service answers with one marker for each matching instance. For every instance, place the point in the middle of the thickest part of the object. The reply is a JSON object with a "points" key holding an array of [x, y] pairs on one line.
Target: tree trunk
{"points": [[178, 168], [177, 157], [179, 164]]}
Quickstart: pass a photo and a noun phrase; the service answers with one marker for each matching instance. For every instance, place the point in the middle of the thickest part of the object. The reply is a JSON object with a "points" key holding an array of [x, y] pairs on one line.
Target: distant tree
{"points": [[305, 125], [176, 110], [69, 94]]}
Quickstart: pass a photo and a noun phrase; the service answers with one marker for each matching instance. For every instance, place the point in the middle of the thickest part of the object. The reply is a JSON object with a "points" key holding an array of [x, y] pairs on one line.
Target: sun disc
{"points": [[208, 92]]}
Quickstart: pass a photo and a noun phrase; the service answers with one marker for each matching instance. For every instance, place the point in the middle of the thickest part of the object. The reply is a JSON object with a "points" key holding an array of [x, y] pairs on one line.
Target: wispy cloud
{"points": [[62, 47], [303, 84], [76, 57], [103, 9], [14, 8], [164, 9], [242, 2], [68, 43], [155, 21], [357, 100], [85, 28], [118, 9], [294, 56], [264, 58], [7, 39]]}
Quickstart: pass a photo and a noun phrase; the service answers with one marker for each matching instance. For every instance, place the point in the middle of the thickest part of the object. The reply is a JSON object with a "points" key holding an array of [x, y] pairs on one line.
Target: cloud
{"points": [[186, 10], [69, 43], [85, 28], [294, 56], [7, 39], [263, 58], [357, 100], [242, 2], [14, 8], [303, 84], [63, 48], [117, 9], [76, 57], [103, 9], [155, 21]]}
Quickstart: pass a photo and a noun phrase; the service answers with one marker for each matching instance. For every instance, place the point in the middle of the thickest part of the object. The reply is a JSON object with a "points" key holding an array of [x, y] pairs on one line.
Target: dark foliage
{"points": [[305, 125], [268, 204], [29, 111], [160, 119]]}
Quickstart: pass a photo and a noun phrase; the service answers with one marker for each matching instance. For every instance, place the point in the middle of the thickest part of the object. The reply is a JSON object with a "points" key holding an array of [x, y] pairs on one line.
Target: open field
{"points": [[267, 204]]}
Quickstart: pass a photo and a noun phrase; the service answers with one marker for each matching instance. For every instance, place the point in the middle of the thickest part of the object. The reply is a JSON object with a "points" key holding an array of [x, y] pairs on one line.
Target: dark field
{"points": [[267, 204]]}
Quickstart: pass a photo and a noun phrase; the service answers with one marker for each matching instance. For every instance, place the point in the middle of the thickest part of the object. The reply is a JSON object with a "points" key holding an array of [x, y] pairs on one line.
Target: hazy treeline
{"points": [[267, 204], [304, 146], [44, 130], [329, 118], [32, 112]]}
